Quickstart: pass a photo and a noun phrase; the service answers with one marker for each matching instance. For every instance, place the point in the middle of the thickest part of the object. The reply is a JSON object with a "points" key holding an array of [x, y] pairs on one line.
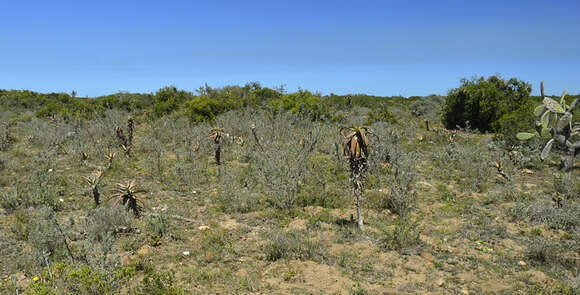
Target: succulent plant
{"points": [[94, 180], [256, 138], [348, 100], [126, 142], [130, 130], [197, 146], [556, 124], [356, 142], [126, 194], [84, 158], [355, 146], [216, 135], [110, 157]]}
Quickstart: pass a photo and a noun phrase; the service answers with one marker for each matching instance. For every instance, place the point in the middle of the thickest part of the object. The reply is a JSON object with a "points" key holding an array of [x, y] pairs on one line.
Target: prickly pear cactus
{"points": [[557, 125]]}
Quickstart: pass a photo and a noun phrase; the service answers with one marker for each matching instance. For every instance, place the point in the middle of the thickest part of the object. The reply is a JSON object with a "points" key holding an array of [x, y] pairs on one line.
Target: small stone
{"points": [[440, 282], [522, 263], [527, 171], [61, 200], [203, 228], [186, 253]]}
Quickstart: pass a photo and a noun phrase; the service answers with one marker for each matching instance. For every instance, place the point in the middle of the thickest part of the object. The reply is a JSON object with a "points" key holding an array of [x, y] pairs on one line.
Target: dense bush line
{"points": [[207, 103]]}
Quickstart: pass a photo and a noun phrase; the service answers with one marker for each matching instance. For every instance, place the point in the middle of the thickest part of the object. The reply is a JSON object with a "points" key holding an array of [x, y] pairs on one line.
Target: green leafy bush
{"points": [[62, 278], [292, 245], [168, 99], [301, 103], [381, 115], [129, 102], [512, 123], [403, 236], [158, 283], [266, 94], [204, 108], [480, 103]]}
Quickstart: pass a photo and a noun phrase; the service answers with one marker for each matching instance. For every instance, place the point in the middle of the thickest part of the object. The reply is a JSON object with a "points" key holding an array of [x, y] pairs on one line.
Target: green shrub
{"points": [[22, 99], [405, 235], [62, 278], [301, 103], [216, 245], [543, 212], [399, 179], [101, 225], [541, 251], [266, 95], [158, 226], [381, 115], [126, 101], [51, 109], [204, 108], [513, 122], [168, 99], [9, 198], [292, 245], [158, 283], [480, 102]]}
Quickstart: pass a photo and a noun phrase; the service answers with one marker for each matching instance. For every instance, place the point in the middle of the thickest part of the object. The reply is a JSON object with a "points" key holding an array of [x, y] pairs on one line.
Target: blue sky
{"points": [[374, 47]]}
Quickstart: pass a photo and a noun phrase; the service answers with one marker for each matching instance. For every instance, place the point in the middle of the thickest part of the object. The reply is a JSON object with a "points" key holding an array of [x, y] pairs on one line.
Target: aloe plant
{"points": [[348, 100], [93, 181], [126, 194], [355, 147], [216, 136], [126, 142], [557, 125], [110, 157]]}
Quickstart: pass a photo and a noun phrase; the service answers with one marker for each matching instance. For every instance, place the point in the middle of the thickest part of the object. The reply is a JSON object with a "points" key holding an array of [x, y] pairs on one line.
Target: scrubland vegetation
{"points": [[255, 190]]}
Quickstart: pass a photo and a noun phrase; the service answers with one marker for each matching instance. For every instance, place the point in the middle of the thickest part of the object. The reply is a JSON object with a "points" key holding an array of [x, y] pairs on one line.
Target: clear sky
{"points": [[374, 47]]}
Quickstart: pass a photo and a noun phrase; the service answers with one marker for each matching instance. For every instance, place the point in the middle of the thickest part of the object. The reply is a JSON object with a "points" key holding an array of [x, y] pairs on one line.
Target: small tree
{"points": [[355, 146], [557, 124]]}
